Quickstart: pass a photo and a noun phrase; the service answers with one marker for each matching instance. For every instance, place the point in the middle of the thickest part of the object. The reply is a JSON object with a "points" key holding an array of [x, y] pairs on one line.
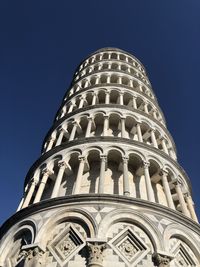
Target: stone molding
{"points": [[99, 198]]}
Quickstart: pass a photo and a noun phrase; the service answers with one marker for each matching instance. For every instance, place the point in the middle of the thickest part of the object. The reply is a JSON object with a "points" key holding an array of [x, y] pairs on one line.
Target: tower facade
{"points": [[107, 189]]}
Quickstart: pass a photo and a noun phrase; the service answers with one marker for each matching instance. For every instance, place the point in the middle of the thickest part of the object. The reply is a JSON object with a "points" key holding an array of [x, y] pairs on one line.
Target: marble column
{"points": [[20, 206], [50, 144], [166, 188], [123, 128], [62, 166], [139, 132], [153, 138], [73, 132], [163, 141], [108, 79], [29, 194], [134, 102], [149, 189], [131, 83], [146, 108], [82, 100], [181, 199], [60, 137], [121, 101], [94, 99], [107, 100], [125, 177], [105, 126], [103, 161], [46, 173], [79, 175], [97, 80], [119, 81], [190, 205], [89, 127], [154, 114], [71, 108]]}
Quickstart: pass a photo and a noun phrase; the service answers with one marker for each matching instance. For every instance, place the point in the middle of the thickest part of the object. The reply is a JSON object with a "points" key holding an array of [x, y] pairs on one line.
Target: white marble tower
{"points": [[107, 189]]}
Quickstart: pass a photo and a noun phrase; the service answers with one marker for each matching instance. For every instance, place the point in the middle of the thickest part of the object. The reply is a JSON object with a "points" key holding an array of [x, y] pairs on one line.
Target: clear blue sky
{"points": [[41, 43]]}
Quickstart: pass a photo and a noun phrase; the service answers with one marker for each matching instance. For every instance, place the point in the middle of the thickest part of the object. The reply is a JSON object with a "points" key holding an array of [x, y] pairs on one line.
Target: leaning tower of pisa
{"points": [[107, 189]]}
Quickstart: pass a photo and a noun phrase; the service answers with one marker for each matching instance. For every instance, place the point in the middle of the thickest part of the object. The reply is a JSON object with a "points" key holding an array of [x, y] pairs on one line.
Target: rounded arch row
{"points": [[110, 78], [110, 55], [96, 123], [113, 66], [109, 170], [111, 96]]}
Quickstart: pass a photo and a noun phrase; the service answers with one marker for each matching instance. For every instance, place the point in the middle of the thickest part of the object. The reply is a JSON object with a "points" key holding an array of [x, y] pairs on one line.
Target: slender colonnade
{"points": [[108, 148]]}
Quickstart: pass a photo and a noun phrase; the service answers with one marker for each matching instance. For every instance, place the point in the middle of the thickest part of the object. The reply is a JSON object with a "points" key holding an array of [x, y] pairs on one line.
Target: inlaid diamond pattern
{"points": [[66, 244], [184, 257], [129, 246]]}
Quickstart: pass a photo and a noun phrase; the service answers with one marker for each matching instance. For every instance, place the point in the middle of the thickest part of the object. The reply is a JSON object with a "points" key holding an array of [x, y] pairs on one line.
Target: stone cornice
{"points": [[104, 139], [91, 199], [99, 106]]}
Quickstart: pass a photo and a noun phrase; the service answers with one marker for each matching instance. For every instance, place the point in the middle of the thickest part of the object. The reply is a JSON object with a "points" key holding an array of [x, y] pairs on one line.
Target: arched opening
{"points": [[114, 125], [98, 125], [101, 97], [114, 177], [22, 238], [90, 178], [73, 165], [154, 172], [136, 183], [114, 95], [89, 98]]}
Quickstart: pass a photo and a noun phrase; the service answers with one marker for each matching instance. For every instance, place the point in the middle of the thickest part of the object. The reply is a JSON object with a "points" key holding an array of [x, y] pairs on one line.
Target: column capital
{"points": [[161, 259], [162, 138], [125, 159], [145, 164], [31, 251], [95, 249], [81, 158], [62, 163], [138, 123], [163, 172], [177, 181], [47, 171], [103, 157], [90, 118], [74, 123]]}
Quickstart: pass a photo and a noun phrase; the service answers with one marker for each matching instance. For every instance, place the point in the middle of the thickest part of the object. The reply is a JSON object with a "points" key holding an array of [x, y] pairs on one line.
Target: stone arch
{"points": [[23, 233], [64, 215], [182, 233], [132, 216]]}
